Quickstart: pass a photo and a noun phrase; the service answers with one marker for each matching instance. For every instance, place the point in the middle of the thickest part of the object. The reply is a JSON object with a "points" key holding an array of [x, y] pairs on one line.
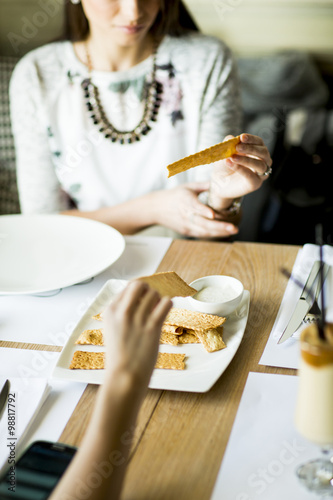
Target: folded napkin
{"points": [[27, 395], [264, 447], [287, 354], [302, 267]]}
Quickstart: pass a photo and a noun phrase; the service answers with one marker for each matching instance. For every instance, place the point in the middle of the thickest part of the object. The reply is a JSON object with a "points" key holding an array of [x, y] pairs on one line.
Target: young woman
{"points": [[132, 88]]}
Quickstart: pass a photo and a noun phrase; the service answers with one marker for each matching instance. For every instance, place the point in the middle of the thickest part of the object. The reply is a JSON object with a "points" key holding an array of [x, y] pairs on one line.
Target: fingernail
{"points": [[231, 229]]}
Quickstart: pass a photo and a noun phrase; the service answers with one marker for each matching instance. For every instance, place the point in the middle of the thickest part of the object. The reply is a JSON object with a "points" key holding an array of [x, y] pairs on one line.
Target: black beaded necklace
{"points": [[152, 97]]}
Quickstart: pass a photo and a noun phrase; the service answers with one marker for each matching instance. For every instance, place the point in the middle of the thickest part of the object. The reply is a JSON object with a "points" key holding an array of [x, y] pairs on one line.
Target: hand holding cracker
{"points": [[241, 173], [240, 165]]}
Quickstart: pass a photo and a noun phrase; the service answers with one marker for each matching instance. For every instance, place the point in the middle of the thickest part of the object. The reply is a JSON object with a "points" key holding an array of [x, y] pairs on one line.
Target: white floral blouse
{"points": [[62, 157]]}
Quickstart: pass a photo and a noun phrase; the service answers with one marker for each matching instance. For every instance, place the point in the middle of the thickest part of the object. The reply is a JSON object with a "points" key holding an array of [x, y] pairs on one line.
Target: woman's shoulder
{"points": [[46, 62], [198, 38], [195, 41], [196, 49]]}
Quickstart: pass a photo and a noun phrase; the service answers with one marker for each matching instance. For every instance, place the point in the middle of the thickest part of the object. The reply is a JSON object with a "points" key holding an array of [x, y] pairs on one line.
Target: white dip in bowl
{"points": [[216, 294]]}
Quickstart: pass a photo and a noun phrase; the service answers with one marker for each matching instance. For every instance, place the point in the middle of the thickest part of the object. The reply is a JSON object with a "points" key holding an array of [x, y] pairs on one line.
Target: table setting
{"points": [[230, 413], [135, 255], [289, 420], [39, 303], [203, 369], [283, 351]]}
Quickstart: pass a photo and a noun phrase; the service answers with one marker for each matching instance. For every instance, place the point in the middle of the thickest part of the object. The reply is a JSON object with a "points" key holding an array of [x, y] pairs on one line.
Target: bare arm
{"points": [[132, 329], [178, 209], [128, 217]]}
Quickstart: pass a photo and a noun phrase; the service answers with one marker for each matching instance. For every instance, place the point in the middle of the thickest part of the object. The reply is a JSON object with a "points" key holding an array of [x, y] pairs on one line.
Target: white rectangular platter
{"points": [[202, 368]]}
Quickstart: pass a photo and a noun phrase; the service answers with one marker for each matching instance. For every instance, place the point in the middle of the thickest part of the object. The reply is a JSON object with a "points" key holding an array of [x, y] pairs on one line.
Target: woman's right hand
{"points": [[181, 210], [133, 324]]}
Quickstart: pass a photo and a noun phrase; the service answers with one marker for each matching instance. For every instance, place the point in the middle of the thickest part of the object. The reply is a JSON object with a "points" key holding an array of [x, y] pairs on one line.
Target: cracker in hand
{"points": [[168, 284], [220, 151]]}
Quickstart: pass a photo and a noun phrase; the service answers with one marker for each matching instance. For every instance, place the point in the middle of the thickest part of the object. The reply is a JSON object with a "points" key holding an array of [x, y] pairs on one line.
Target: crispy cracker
{"points": [[173, 329], [218, 152], [169, 338], [170, 361], [192, 319], [83, 360], [188, 338], [211, 339], [98, 317], [91, 337], [168, 284]]}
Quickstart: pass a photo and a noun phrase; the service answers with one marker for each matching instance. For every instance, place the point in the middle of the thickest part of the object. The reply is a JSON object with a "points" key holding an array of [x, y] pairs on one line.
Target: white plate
{"points": [[39, 253], [202, 368]]}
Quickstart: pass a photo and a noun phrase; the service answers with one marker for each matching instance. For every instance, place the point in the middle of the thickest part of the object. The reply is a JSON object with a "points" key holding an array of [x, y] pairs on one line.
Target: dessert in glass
{"points": [[314, 408]]}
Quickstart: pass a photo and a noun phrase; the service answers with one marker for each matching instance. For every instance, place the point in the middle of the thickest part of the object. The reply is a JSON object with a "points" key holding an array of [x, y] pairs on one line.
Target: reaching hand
{"points": [[133, 324]]}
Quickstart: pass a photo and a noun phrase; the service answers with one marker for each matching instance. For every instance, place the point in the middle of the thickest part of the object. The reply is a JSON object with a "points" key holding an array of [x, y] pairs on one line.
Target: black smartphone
{"points": [[37, 471]]}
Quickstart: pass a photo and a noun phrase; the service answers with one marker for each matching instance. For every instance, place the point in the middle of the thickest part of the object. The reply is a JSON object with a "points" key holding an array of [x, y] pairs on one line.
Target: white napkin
{"points": [[25, 400], [286, 355], [264, 448]]}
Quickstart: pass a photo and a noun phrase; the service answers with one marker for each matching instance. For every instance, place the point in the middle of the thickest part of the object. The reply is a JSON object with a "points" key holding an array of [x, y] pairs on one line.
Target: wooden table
{"points": [[180, 438]]}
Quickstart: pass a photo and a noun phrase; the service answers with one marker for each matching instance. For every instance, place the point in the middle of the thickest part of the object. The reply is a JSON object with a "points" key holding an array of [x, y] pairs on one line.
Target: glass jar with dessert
{"points": [[314, 407]]}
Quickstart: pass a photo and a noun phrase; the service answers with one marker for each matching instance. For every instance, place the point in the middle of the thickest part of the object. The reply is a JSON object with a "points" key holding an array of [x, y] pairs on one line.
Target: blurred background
{"points": [[284, 52]]}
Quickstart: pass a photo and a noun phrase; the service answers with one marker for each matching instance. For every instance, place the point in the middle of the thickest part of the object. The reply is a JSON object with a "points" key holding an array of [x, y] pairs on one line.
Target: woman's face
{"points": [[127, 21]]}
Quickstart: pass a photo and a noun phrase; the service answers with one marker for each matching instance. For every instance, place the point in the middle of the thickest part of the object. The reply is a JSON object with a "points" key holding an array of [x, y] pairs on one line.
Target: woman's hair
{"points": [[173, 19]]}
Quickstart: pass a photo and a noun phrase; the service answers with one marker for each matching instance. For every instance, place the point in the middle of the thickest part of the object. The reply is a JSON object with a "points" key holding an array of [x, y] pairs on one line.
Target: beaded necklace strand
{"points": [[152, 97]]}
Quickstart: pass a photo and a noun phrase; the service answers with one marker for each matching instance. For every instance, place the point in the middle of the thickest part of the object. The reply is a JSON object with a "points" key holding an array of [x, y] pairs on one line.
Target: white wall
{"points": [[26, 24], [248, 26], [261, 26]]}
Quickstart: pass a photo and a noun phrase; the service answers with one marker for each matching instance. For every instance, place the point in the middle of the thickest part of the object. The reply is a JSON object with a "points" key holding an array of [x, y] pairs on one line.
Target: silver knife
{"points": [[304, 303], [3, 397]]}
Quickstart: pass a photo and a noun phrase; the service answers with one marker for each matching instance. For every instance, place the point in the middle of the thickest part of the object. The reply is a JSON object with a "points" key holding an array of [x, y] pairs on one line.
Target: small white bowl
{"points": [[230, 290]]}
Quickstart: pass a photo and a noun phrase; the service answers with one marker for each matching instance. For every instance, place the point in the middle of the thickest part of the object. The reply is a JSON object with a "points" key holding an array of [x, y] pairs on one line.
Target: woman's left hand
{"points": [[240, 174]]}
